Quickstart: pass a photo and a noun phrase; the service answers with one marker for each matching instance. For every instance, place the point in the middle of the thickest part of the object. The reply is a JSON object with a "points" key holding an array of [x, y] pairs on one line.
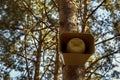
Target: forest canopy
{"points": [[29, 31]]}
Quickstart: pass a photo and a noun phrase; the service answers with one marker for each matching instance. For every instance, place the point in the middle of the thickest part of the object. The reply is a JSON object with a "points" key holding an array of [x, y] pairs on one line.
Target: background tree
{"points": [[29, 42]]}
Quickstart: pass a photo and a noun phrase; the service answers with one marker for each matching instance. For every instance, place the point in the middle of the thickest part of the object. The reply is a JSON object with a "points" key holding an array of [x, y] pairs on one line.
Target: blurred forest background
{"points": [[29, 32]]}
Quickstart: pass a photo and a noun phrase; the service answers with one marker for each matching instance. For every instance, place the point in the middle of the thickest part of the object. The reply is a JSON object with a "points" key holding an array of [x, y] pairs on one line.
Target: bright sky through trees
{"points": [[29, 28]]}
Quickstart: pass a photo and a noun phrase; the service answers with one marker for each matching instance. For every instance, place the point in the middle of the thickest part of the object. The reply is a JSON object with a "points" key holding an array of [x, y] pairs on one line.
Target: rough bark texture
{"points": [[68, 23], [68, 18], [71, 72]]}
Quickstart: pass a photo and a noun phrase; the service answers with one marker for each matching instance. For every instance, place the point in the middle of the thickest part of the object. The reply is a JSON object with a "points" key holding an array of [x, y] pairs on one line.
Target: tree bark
{"points": [[73, 72], [68, 16], [38, 56], [68, 23]]}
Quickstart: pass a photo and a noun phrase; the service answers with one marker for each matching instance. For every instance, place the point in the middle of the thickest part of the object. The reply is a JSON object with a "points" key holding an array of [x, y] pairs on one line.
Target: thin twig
{"points": [[91, 14], [107, 39], [27, 68], [102, 58]]}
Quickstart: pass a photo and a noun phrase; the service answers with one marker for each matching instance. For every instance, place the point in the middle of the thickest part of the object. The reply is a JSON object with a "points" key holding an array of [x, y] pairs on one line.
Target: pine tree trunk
{"points": [[68, 23], [68, 16]]}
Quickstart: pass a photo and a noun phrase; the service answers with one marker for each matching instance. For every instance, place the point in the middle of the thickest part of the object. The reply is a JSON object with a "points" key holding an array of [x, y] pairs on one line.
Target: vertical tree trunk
{"points": [[38, 56], [68, 23], [57, 62], [68, 16]]}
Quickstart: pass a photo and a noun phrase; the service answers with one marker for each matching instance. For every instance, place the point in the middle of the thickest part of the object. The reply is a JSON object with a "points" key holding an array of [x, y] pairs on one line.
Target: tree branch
{"points": [[107, 39], [87, 17], [95, 10], [102, 58], [27, 68]]}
